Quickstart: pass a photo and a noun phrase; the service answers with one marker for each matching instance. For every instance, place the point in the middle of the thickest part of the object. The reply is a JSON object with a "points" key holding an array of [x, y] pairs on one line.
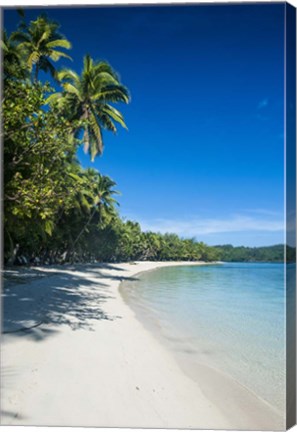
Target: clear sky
{"points": [[203, 155]]}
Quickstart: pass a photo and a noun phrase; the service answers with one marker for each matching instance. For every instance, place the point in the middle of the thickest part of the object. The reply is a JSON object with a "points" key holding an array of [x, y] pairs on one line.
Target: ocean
{"points": [[230, 317]]}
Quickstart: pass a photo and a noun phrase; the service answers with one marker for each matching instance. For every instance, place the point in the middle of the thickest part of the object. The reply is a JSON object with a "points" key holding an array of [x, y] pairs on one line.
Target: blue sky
{"points": [[203, 155]]}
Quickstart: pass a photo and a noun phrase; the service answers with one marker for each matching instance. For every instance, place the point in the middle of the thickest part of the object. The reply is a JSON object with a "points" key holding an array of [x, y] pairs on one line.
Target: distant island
{"points": [[275, 253]]}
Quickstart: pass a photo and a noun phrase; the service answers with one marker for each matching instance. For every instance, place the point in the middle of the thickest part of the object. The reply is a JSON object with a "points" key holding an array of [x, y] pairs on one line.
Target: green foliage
{"points": [[274, 253], [14, 66], [41, 44], [124, 241], [86, 98], [37, 158], [290, 254], [51, 204]]}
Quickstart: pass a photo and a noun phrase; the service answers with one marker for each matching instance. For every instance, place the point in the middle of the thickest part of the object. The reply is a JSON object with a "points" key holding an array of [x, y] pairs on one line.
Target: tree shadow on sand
{"points": [[66, 298]]}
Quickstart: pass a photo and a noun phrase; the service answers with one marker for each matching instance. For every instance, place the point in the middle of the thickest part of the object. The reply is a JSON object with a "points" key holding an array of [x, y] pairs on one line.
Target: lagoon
{"points": [[229, 317]]}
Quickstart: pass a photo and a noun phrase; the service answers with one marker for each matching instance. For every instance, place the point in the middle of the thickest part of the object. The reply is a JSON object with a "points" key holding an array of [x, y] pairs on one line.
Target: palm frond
{"points": [[70, 88], [62, 43], [105, 67], [114, 114], [116, 93], [96, 146], [53, 98], [3, 46], [103, 79], [46, 65], [68, 75], [32, 59], [56, 55], [107, 123], [20, 36], [45, 35], [21, 12], [88, 63]]}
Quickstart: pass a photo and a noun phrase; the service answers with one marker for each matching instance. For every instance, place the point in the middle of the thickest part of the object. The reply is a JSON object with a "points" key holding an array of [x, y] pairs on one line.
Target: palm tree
{"points": [[151, 245], [99, 190], [13, 61], [86, 100], [40, 41]]}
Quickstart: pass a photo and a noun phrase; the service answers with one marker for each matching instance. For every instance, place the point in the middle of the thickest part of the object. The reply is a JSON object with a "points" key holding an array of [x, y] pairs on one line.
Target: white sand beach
{"points": [[85, 360]]}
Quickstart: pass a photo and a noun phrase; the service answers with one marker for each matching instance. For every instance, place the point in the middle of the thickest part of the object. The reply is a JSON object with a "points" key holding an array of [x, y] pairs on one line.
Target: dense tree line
{"points": [[50, 201], [274, 253]]}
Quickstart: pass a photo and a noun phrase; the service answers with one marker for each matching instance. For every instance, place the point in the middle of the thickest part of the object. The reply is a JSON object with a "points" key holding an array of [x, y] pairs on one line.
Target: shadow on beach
{"points": [[34, 300]]}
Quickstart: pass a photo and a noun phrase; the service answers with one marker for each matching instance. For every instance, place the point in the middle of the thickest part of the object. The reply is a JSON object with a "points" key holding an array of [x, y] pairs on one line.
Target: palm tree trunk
{"points": [[13, 250], [69, 248], [84, 227], [36, 72]]}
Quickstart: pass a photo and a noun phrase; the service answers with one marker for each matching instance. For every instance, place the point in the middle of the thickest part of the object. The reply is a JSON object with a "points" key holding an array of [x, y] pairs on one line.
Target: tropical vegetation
{"points": [[274, 253], [87, 98], [40, 44]]}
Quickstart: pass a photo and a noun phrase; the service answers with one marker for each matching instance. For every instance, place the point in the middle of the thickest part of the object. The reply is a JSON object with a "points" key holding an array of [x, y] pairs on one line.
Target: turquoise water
{"points": [[229, 317]]}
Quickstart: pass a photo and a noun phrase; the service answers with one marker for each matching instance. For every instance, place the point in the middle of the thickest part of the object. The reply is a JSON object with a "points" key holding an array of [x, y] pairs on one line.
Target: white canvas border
{"points": [[53, 3]]}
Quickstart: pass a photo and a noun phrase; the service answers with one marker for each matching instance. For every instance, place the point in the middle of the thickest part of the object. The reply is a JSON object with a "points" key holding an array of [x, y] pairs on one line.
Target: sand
{"points": [[74, 354]]}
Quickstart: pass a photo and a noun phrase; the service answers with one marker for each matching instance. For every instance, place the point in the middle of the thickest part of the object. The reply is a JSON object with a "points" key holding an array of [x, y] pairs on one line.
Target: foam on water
{"points": [[230, 317]]}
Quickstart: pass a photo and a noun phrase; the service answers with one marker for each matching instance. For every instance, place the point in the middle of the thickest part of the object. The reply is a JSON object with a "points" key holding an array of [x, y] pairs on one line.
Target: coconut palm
{"points": [[98, 193], [13, 61], [86, 99], [39, 42]]}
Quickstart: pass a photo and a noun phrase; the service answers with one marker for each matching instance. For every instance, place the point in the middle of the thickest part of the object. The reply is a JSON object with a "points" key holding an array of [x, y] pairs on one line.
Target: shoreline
{"points": [[113, 371], [208, 377]]}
